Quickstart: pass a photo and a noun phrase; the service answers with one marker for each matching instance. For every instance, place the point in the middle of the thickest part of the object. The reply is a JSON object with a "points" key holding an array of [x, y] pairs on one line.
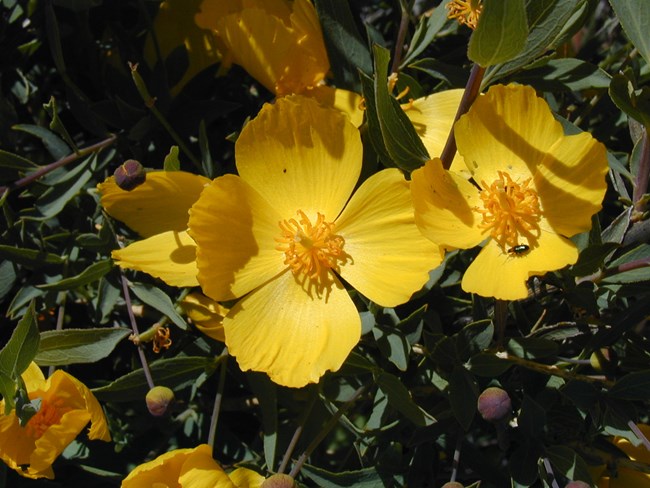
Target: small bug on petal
{"points": [[519, 249]]}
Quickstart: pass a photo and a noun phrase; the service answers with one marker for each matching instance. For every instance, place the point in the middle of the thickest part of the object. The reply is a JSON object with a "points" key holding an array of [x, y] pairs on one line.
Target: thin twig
{"points": [[549, 471], [456, 460], [401, 35], [299, 430], [218, 398], [639, 434]]}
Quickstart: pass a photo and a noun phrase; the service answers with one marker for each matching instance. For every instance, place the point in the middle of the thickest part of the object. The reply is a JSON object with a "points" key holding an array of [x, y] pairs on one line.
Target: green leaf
{"points": [[171, 162], [566, 74], [74, 346], [267, 392], [55, 146], [546, 18], [56, 124], [92, 273], [531, 347], [501, 32], [166, 372], [532, 418], [400, 399], [635, 17], [488, 365], [583, 395], [568, 463], [32, 258], [392, 345], [402, 142], [632, 386], [156, 298], [363, 478], [635, 103], [372, 117], [592, 258], [455, 76], [347, 51], [474, 338], [13, 161], [523, 463], [425, 32], [463, 395]]}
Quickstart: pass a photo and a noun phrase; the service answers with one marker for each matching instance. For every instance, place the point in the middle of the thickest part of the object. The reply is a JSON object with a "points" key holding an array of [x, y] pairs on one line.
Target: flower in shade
{"points": [[628, 472], [280, 44], [206, 314], [282, 234], [532, 187], [190, 468], [64, 407], [466, 12]]}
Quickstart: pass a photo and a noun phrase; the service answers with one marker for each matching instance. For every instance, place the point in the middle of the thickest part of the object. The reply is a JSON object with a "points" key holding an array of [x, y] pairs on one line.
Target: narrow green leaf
{"points": [[55, 146], [372, 118], [402, 142], [74, 346], [488, 365], [166, 372], [171, 162], [156, 298], [18, 353], [92, 273], [501, 32], [364, 478], [565, 74], [531, 347], [635, 17], [463, 395], [13, 161], [568, 463], [400, 398], [56, 124], [392, 345], [425, 32], [635, 103], [592, 258]]}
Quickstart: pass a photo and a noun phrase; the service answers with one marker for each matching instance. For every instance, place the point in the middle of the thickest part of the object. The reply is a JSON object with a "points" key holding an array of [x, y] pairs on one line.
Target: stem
{"points": [[134, 327], [217, 399], [641, 177], [471, 92], [639, 434], [30, 178], [399, 43], [456, 460], [321, 435], [500, 318], [298, 432], [549, 470], [150, 103]]}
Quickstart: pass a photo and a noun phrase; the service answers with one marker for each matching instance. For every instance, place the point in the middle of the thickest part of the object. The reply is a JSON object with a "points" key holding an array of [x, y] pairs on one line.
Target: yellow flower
{"points": [[625, 476], [66, 407], [466, 12], [190, 468], [206, 314], [532, 187], [173, 27], [280, 44], [157, 210]]}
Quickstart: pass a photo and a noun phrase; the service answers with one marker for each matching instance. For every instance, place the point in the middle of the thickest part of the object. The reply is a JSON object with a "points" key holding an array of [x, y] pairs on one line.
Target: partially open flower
{"points": [[66, 407], [158, 400]]}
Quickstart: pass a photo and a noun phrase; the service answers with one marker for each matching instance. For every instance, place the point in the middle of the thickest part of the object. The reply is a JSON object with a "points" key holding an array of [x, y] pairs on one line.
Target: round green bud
{"points": [[494, 404], [130, 175], [158, 400], [279, 481]]}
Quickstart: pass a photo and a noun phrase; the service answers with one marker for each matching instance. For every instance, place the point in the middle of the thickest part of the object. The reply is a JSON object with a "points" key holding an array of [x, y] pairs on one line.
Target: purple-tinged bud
{"points": [[453, 484], [130, 175], [158, 400], [279, 481], [494, 404], [577, 484]]}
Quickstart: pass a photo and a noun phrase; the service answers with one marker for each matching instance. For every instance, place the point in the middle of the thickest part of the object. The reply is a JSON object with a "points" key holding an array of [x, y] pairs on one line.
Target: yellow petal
{"points": [[443, 204], [433, 116], [33, 377], [503, 275], [571, 183], [158, 205], [98, 425], [389, 258], [299, 155], [235, 230], [200, 470], [508, 129], [281, 330], [345, 101], [16, 447], [170, 256], [246, 478], [206, 314]]}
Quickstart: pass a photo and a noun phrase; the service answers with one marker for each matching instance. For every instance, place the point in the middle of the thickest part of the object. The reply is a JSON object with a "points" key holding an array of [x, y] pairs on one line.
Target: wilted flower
{"points": [[280, 235], [466, 12], [532, 187], [64, 407], [190, 468]]}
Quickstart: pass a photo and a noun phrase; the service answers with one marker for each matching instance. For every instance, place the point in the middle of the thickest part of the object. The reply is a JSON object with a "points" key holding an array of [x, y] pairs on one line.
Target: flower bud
{"points": [[494, 404], [577, 484], [452, 484], [279, 481], [158, 399], [602, 359], [130, 175]]}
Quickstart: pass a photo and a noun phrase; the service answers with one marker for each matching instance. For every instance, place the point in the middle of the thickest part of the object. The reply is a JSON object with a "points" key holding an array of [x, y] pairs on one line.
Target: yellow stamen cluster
{"points": [[49, 413], [466, 12], [510, 210], [310, 249]]}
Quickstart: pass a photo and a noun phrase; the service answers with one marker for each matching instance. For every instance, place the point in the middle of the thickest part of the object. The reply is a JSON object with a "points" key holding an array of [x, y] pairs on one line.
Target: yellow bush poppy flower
{"points": [[280, 44], [282, 232], [66, 407], [190, 468], [157, 210], [206, 314], [625, 476], [532, 187]]}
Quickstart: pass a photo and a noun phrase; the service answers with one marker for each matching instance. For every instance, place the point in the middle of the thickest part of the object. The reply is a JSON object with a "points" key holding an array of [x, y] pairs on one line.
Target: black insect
{"points": [[519, 249]]}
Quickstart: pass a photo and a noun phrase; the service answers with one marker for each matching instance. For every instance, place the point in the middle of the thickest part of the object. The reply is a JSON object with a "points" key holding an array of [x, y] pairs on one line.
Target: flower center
{"points": [[49, 413], [510, 211], [465, 12], [310, 249]]}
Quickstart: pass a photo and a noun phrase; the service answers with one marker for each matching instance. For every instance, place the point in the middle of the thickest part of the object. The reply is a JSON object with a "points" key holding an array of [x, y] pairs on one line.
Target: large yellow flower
{"points": [[66, 407], [280, 235], [532, 187], [624, 475], [190, 468], [280, 44]]}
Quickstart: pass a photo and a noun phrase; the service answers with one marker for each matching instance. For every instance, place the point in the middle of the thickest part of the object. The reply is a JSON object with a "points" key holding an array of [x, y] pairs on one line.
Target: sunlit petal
{"points": [[348, 102], [389, 258], [170, 256], [295, 338]]}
